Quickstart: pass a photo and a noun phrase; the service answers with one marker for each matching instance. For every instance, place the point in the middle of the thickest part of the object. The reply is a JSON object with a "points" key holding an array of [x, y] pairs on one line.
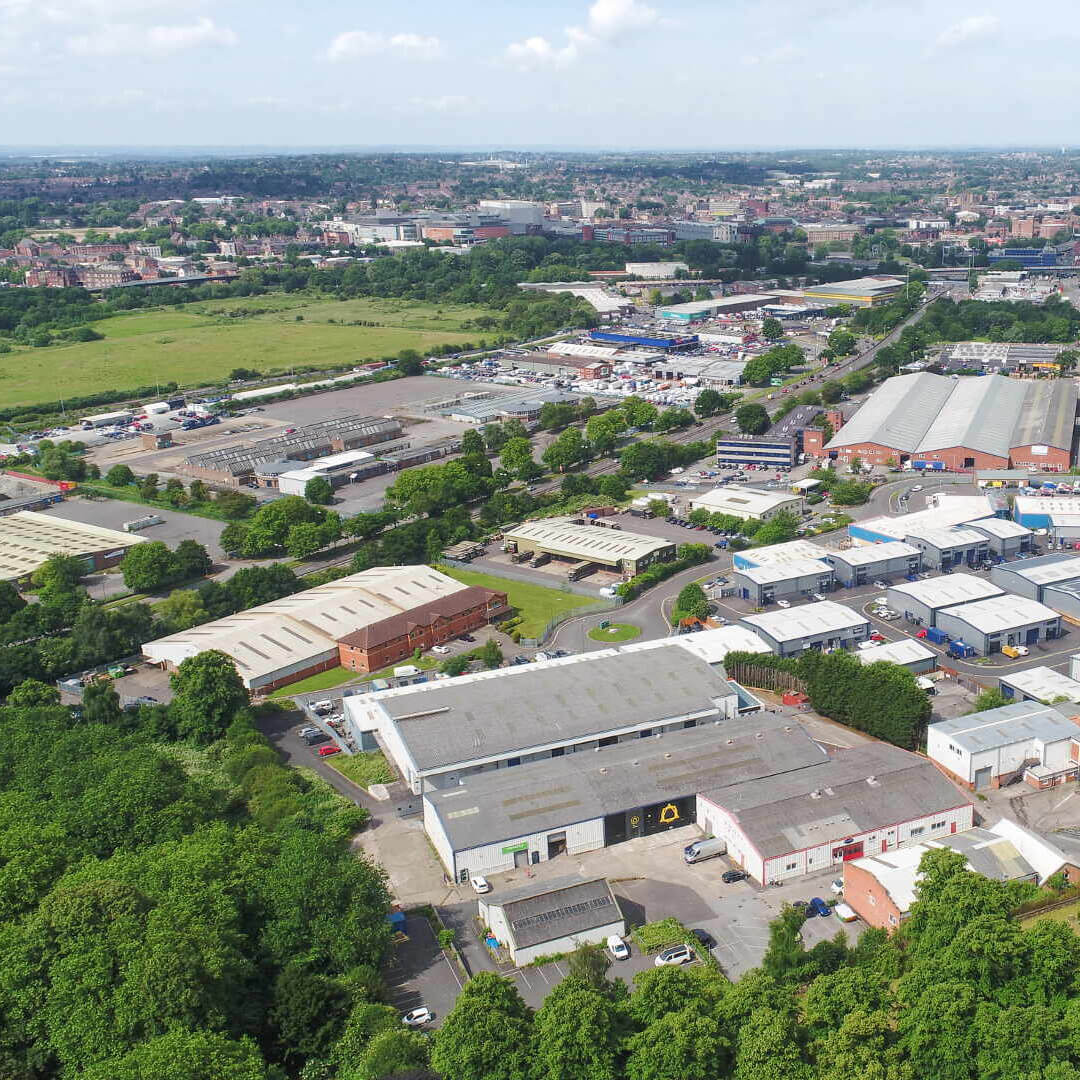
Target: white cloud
{"points": [[120, 40], [353, 43], [443, 104], [780, 55], [607, 22], [969, 29]]}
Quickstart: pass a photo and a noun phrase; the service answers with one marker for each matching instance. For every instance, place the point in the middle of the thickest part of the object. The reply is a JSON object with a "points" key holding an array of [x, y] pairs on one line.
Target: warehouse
{"points": [[578, 367], [946, 512], [296, 636], [881, 888], [748, 503], [622, 552], [552, 918], [935, 422], [439, 733], [1064, 597], [29, 539], [762, 585], [1036, 511], [711, 645], [337, 469], [988, 625], [920, 601], [944, 549], [873, 798], [708, 371], [990, 749], [771, 554], [874, 562], [494, 821], [857, 292], [824, 625], [913, 655], [1040, 684], [1031, 577], [1006, 539], [717, 307]]}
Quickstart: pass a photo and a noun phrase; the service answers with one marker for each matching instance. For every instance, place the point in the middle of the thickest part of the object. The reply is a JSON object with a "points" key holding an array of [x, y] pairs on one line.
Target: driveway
{"points": [[419, 972]]}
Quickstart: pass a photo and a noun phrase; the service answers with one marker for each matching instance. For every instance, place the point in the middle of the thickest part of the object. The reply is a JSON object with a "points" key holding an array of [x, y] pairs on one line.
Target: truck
{"points": [[143, 523], [936, 635], [961, 650]]}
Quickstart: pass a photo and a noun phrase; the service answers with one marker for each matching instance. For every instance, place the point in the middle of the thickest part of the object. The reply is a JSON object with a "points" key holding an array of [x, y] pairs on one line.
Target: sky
{"points": [[613, 74]]}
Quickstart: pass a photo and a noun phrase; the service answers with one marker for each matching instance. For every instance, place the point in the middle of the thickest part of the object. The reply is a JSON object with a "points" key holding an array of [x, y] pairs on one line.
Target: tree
{"points": [[681, 1044], [207, 694], [101, 704], [850, 493], [516, 458], [233, 537], [603, 431], [589, 963], [472, 442], [120, 476], [709, 403], [181, 610], [772, 329], [181, 1054], [33, 694], [308, 1012], [198, 492], [148, 487], [148, 567], [566, 451], [752, 419], [576, 1037], [766, 1049], [191, 560], [59, 573], [318, 490], [234, 505], [989, 699], [304, 540], [690, 603]]}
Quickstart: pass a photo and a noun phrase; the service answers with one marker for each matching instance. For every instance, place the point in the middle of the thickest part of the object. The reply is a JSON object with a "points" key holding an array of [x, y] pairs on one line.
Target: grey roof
{"points": [[1009, 724], [557, 909], [996, 614], [1046, 569], [1048, 416], [868, 554], [948, 590], [859, 790], [1043, 684], [793, 570], [897, 413], [980, 413], [520, 708], [508, 803], [1002, 528], [806, 621]]}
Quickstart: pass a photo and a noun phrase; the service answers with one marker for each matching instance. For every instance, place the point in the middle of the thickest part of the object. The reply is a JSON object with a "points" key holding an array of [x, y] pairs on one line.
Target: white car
{"points": [[916, 487], [837, 886], [418, 1017], [320, 708], [817, 596], [618, 948], [783, 603], [480, 883], [442, 650], [867, 644], [673, 955]]}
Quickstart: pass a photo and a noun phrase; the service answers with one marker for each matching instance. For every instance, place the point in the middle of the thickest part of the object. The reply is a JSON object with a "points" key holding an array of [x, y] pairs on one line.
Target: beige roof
{"points": [[286, 635], [28, 539], [591, 542]]}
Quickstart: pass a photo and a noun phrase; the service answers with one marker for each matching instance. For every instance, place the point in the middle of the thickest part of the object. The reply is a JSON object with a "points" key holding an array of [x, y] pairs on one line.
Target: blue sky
{"points": [[614, 73]]}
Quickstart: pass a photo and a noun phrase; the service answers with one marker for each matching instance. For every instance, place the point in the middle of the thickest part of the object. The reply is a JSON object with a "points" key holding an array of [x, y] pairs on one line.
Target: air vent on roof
{"points": [[760, 735], [668, 754], [829, 791], [815, 794], [635, 762], [731, 742], [787, 727], [873, 781], [604, 769]]}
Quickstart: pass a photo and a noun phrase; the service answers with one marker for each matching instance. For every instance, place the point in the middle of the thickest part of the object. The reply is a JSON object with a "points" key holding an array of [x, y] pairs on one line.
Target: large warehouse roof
{"points": [[711, 645], [868, 554], [28, 539], [507, 803], [808, 620], [858, 791], [792, 551], [923, 413], [772, 573], [587, 541], [742, 501], [945, 591], [1010, 724], [998, 613], [284, 635], [904, 651], [1048, 570], [515, 709]]}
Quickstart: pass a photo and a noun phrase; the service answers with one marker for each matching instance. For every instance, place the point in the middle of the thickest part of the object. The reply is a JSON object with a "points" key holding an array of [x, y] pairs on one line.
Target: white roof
{"points": [[742, 500], [904, 651], [997, 613], [778, 553], [872, 553], [587, 541], [1000, 527], [784, 571], [1045, 857], [948, 590], [28, 539], [572, 348], [1066, 568], [954, 510], [293, 629], [1054, 504], [950, 537], [807, 620], [1044, 684], [711, 645]]}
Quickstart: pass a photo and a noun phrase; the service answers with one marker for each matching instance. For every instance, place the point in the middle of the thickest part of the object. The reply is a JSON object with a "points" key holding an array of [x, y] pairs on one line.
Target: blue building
{"points": [[1029, 258], [647, 341]]}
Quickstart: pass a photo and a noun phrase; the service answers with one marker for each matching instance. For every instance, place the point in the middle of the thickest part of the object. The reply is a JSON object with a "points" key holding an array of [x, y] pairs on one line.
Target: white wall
{"points": [[1001, 759], [597, 936], [440, 841], [718, 822], [491, 859]]}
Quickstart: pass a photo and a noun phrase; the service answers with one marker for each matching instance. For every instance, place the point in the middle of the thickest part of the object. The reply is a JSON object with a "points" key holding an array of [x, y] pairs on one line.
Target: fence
{"points": [[515, 574], [762, 677], [558, 620]]}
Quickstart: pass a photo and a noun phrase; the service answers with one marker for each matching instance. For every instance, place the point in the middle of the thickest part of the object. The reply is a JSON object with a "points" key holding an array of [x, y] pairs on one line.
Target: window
{"points": [[791, 866], [892, 920], [937, 825], [918, 830], [609, 740], [644, 733], [511, 762], [558, 751], [689, 723]]}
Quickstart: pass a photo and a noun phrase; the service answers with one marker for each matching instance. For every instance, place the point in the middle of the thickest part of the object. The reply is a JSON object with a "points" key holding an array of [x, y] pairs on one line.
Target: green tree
{"points": [[101, 704], [181, 610], [148, 567], [33, 694], [472, 442], [191, 560], [148, 486], [516, 458], [59, 573], [589, 964], [120, 476], [304, 540], [181, 1054], [752, 419], [318, 490], [989, 699], [197, 492], [709, 403], [603, 430], [766, 1048], [772, 329], [681, 1044], [233, 537], [576, 1035], [308, 1012], [207, 694], [690, 603]]}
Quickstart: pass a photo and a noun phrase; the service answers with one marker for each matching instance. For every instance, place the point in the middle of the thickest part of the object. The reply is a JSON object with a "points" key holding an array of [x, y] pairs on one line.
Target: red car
{"points": [[877, 637], [326, 751]]}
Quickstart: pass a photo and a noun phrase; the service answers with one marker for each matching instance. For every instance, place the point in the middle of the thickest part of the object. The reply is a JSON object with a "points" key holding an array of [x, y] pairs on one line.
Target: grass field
{"points": [[362, 769], [1069, 914], [322, 680], [615, 632], [536, 604], [200, 343]]}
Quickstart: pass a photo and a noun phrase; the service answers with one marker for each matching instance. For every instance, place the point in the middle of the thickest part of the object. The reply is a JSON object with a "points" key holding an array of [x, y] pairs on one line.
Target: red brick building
{"points": [[434, 623]]}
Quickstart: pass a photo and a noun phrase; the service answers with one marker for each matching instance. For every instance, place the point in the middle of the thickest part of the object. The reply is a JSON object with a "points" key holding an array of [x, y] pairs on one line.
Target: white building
{"points": [[747, 503], [656, 271], [336, 469], [519, 214], [1041, 684], [1029, 740], [906, 652], [823, 625]]}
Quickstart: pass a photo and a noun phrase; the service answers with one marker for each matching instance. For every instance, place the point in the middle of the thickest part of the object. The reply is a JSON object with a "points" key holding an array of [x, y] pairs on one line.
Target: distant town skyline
{"points": [[614, 74]]}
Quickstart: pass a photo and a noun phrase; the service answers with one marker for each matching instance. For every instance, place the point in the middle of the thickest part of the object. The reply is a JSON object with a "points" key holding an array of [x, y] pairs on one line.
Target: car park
{"points": [[418, 1017], [618, 948], [674, 955]]}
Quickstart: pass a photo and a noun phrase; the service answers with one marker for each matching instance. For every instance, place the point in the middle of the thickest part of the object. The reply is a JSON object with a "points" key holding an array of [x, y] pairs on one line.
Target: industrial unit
{"points": [[999, 621], [718, 306], [771, 554], [295, 636], [935, 422], [549, 363], [824, 625], [440, 733], [1035, 742], [945, 549], [581, 545], [1041, 684], [748, 503], [920, 601], [873, 562], [1032, 577], [857, 292], [1058, 515], [765, 584], [913, 655], [29, 539], [947, 511], [1005, 539]]}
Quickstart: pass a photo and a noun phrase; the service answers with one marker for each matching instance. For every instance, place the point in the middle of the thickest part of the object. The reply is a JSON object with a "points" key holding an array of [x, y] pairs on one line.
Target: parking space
{"points": [[419, 973]]}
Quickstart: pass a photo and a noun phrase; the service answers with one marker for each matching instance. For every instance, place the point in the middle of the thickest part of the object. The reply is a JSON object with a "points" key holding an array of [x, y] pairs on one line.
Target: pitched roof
{"points": [[394, 626]]}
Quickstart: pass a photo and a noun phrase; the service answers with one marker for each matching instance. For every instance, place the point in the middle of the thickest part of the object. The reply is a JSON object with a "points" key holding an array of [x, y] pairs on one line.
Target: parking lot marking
{"points": [[524, 979], [452, 971]]}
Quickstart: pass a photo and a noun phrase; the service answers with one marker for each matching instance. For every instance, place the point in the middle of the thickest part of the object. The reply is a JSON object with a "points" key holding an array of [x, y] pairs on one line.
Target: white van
{"points": [[700, 850]]}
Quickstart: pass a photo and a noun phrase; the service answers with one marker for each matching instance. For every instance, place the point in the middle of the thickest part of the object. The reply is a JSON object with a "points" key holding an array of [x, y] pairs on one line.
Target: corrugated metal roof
{"points": [[998, 613], [979, 413], [1048, 415], [944, 591], [1010, 724], [897, 413]]}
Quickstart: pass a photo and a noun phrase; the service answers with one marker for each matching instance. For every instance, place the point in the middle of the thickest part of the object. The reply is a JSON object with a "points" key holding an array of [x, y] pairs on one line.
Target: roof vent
{"points": [[829, 791], [668, 754], [635, 762], [603, 769], [731, 742], [760, 735], [815, 794], [787, 727], [873, 781]]}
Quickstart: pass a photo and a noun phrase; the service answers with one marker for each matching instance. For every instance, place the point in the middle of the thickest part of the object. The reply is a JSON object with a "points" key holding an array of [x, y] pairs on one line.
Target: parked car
{"points": [[820, 907], [467, 637], [817, 596], [706, 939], [881, 584], [729, 877], [418, 1017], [837, 886], [320, 708], [674, 954], [520, 660], [480, 884], [327, 751], [308, 730], [618, 948], [783, 603], [875, 636], [442, 650]]}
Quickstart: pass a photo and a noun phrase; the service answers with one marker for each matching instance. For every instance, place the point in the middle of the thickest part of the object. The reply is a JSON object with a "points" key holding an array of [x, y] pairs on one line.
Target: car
{"points": [[729, 877], [309, 729], [706, 939], [480, 884], [618, 948], [673, 955], [442, 650], [875, 636], [783, 603], [819, 907], [520, 660], [837, 886], [881, 584], [418, 1017], [326, 751], [916, 487], [467, 637], [866, 645], [319, 708], [817, 596]]}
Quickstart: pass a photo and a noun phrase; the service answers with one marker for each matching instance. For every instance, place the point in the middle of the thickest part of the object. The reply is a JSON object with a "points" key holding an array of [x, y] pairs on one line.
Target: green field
{"points": [[536, 604], [1068, 914], [201, 343], [615, 632], [362, 769], [322, 680]]}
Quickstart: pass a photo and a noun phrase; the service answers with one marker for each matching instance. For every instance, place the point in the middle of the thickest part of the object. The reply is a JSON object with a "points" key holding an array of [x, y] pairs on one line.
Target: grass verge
{"points": [[322, 680], [362, 769], [615, 632]]}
